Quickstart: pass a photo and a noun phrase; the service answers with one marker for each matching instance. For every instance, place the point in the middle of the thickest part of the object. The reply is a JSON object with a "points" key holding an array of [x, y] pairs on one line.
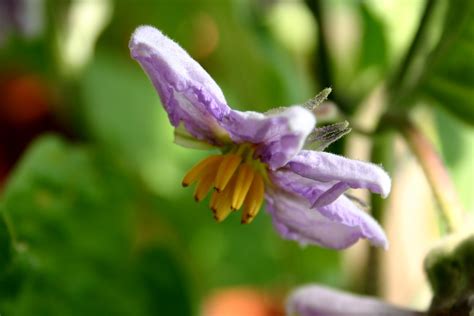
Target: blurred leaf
{"points": [[73, 210], [367, 59], [5, 244], [457, 149], [121, 108], [372, 59], [449, 80], [373, 48], [122, 113], [159, 274]]}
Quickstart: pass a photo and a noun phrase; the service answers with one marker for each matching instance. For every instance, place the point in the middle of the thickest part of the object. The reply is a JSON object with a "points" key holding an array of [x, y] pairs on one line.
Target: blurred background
{"points": [[93, 218]]}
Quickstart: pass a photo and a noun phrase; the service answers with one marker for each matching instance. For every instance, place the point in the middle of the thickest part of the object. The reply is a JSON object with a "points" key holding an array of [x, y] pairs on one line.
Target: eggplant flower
{"points": [[262, 156], [315, 300]]}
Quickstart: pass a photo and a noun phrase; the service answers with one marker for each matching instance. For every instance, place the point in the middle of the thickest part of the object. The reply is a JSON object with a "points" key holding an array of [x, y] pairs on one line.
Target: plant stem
{"points": [[399, 79], [382, 152], [322, 59], [438, 177]]}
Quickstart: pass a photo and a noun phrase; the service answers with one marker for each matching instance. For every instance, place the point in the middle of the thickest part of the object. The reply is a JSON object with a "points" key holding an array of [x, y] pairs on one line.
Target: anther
{"points": [[226, 170], [245, 176], [201, 168], [223, 201], [212, 203], [204, 185], [253, 200]]}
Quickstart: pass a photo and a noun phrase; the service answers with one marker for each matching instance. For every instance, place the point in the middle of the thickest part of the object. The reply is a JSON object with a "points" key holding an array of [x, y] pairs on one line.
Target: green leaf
{"points": [[373, 50], [449, 80], [121, 111], [160, 274], [73, 211], [5, 244], [369, 61], [457, 148]]}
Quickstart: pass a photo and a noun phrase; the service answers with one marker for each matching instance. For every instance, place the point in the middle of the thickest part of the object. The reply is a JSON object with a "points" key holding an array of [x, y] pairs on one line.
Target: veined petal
{"points": [[314, 300], [337, 225], [187, 92], [327, 167], [280, 135]]}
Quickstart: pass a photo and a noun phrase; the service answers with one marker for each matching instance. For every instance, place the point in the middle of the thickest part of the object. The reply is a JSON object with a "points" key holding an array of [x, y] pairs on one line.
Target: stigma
{"points": [[236, 179]]}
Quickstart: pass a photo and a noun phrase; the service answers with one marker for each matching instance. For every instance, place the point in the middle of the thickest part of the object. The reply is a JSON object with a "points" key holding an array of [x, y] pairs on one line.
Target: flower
{"points": [[314, 300], [22, 17], [261, 155]]}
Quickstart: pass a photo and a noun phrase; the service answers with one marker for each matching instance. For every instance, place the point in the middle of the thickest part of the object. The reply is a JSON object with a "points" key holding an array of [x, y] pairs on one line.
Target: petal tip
{"points": [[385, 183], [305, 122], [377, 237], [383, 243], [145, 36], [144, 32]]}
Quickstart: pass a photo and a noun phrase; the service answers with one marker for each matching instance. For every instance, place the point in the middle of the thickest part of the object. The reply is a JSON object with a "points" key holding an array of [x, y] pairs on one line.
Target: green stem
{"points": [[382, 152], [403, 82], [417, 44], [438, 177], [322, 59]]}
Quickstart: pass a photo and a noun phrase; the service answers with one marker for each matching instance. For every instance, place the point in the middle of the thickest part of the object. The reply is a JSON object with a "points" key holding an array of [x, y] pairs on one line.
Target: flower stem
{"points": [[438, 177]]}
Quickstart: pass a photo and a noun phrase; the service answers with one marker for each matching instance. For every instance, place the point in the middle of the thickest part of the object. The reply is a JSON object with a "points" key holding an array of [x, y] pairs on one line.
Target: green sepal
{"points": [[324, 136], [313, 103], [183, 138]]}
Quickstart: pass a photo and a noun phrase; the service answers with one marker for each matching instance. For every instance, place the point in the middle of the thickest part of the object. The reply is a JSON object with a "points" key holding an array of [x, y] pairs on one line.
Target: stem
{"points": [[400, 79], [322, 59], [438, 177], [322, 56], [382, 152]]}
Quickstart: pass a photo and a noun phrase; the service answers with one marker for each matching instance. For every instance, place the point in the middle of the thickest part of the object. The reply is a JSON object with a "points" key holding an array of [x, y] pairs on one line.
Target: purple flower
{"points": [[21, 16], [261, 155], [314, 300]]}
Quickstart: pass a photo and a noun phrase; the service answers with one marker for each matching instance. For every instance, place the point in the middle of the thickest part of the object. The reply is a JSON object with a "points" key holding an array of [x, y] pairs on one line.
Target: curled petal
{"points": [[327, 167], [314, 300], [316, 192], [280, 135], [337, 225], [187, 92]]}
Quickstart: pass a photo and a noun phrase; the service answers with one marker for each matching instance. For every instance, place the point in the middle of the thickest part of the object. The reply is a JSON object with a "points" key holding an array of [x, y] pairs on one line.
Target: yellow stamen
{"points": [[223, 202], [227, 168], [214, 198], [238, 178], [200, 169], [245, 176], [254, 200], [204, 184]]}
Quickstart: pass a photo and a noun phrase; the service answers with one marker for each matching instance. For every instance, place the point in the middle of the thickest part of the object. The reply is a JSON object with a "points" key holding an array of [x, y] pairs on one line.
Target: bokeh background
{"points": [[94, 220]]}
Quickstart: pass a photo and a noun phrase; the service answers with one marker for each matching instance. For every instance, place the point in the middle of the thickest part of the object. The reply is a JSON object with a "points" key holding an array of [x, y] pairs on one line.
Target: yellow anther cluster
{"points": [[237, 181]]}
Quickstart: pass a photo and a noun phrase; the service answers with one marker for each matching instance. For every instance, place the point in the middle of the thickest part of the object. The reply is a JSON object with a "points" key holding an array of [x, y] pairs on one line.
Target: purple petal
{"points": [[314, 300], [326, 167], [330, 195], [336, 225], [187, 92], [280, 135]]}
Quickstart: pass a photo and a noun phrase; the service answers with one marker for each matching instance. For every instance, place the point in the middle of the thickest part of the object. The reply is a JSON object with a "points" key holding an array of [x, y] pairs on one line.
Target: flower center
{"points": [[238, 179]]}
